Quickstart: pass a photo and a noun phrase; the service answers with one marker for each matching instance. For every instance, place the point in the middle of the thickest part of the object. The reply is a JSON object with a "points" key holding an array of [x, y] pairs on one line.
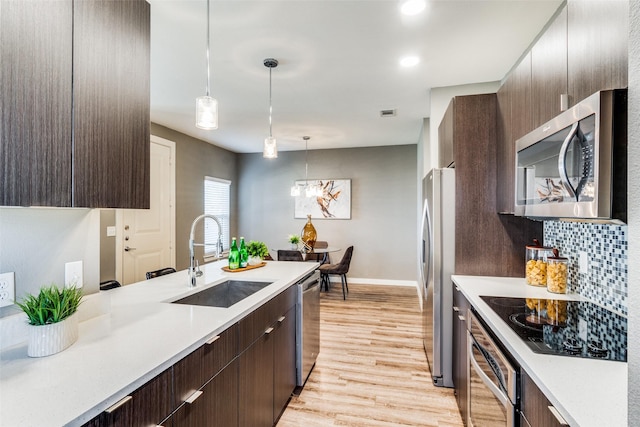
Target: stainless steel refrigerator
{"points": [[438, 263]]}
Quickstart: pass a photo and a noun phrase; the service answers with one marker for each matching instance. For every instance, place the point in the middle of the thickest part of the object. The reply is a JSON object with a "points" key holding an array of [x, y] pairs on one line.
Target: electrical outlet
{"points": [[7, 289], [583, 266], [73, 274]]}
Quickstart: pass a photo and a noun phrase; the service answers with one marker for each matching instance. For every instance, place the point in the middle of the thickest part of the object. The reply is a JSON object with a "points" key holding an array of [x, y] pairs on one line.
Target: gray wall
{"points": [[382, 227], [35, 243], [196, 159], [634, 214], [107, 245]]}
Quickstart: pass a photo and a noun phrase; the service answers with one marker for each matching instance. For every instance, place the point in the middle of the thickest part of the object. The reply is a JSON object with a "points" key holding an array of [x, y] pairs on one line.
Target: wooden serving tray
{"points": [[248, 267]]}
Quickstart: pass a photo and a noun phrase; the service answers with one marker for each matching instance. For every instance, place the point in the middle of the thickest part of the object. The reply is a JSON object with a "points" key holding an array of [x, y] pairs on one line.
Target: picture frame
{"points": [[335, 202]]}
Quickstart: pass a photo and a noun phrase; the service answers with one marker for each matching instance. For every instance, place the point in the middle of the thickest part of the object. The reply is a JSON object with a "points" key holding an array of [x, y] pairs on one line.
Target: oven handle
{"points": [[504, 399]]}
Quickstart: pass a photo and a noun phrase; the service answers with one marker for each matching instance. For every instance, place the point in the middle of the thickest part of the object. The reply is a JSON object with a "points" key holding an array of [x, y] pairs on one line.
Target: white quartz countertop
{"points": [[586, 392], [139, 337]]}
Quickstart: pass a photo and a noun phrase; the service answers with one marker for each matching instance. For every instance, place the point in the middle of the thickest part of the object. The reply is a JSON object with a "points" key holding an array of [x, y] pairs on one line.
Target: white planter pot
{"points": [[45, 340], [294, 246], [254, 260]]}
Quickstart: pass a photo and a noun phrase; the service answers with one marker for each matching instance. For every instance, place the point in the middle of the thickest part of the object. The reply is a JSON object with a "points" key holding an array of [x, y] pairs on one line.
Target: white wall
{"points": [[37, 242], [634, 214], [440, 98]]}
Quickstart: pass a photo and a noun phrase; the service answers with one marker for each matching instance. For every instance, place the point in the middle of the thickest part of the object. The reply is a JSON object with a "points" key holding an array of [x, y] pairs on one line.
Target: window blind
{"points": [[216, 202]]}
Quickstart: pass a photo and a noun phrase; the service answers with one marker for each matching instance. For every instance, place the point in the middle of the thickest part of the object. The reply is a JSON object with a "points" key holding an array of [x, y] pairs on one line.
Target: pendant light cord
{"points": [[270, 106], [208, 60]]}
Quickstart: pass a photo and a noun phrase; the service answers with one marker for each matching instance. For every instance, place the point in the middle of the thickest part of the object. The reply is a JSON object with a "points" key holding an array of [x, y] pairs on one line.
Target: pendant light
{"points": [[270, 148], [310, 190], [206, 106]]}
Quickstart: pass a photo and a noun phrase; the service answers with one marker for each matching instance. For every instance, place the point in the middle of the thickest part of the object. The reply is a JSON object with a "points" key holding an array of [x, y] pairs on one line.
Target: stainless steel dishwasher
{"points": [[307, 326]]}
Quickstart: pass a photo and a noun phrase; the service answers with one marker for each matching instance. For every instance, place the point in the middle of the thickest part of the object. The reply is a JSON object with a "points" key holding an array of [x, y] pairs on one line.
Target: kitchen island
{"points": [[139, 337], [586, 392]]}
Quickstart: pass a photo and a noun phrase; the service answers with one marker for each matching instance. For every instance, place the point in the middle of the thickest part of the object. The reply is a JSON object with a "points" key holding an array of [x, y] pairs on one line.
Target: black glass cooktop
{"points": [[566, 328]]}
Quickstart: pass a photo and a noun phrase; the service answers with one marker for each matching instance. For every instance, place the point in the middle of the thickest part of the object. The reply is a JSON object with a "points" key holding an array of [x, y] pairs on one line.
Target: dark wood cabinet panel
{"points": [[505, 151], [219, 353], [483, 236], [111, 103], [446, 141], [149, 405], [253, 326], [284, 363], [598, 41], [216, 407], [35, 106], [535, 406], [549, 70], [255, 406], [459, 357]]}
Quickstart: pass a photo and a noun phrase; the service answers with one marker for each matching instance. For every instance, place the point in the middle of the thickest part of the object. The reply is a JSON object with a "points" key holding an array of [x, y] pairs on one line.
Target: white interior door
{"points": [[145, 237]]}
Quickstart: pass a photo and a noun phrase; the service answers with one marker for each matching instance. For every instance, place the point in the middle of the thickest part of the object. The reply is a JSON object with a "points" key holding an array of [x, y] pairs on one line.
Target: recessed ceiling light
{"points": [[412, 7], [409, 61]]}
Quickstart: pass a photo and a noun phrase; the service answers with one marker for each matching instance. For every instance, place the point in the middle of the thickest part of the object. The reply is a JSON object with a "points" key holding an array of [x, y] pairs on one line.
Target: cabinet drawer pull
{"points": [[461, 318], [213, 339], [281, 319], [268, 330], [111, 409], [194, 396], [456, 309], [559, 417]]}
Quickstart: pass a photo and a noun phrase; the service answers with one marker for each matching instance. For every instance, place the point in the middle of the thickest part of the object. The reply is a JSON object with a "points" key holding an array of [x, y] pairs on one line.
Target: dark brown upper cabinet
{"points": [[513, 121], [75, 104], [598, 40], [549, 70], [35, 106]]}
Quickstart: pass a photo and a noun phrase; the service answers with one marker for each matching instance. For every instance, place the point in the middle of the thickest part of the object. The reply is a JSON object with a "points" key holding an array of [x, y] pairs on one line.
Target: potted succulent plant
{"points": [[294, 239], [257, 251], [53, 324]]}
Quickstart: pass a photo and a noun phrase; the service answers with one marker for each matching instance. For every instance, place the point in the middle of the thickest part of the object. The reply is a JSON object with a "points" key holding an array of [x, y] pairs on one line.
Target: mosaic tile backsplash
{"points": [[606, 246]]}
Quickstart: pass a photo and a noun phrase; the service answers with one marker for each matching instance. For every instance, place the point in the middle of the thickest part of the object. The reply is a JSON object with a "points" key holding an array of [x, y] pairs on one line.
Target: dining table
{"points": [[324, 251]]}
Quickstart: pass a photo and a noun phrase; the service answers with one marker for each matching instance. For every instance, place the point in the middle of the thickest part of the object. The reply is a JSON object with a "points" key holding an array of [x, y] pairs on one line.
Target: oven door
{"points": [[492, 381]]}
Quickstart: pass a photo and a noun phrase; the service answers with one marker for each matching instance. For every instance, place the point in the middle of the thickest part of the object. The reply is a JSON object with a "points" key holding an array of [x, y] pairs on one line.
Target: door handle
{"points": [[127, 249]]}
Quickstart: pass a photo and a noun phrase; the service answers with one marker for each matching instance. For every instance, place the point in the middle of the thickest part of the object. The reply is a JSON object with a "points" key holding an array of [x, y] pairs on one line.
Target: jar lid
{"points": [[537, 246], [556, 256]]}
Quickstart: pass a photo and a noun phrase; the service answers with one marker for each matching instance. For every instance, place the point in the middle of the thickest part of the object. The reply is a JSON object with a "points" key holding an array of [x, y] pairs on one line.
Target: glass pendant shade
{"points": [[206, 113], [270, 148]]}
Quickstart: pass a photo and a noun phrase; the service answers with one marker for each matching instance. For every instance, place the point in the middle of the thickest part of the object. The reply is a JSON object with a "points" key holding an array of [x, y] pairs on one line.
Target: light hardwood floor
{"points": [[372, 370]]}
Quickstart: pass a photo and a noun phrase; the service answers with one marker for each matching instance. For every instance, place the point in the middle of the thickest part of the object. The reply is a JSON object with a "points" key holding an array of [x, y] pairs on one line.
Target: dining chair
{"points": [[342, 268], [284, 255], [320, 244], [109, 284], [161, 272]]}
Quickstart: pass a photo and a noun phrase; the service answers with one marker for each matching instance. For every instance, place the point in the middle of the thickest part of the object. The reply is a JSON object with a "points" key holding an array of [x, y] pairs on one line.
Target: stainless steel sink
{"points": [[224, 294]]}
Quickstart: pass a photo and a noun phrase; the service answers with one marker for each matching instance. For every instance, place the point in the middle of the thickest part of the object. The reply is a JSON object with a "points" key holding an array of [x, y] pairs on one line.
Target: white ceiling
{"points": [[338, 65]]}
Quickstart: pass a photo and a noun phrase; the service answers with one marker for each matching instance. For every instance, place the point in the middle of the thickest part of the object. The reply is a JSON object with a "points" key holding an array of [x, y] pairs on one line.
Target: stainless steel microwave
{"points": [[575, 166]]}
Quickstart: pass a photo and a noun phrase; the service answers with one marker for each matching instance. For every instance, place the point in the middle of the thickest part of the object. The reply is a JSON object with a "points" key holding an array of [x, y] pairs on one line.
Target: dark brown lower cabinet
{"points": [[267, 367], [536, 410], [148, 405], [460, 362], [217, 406], [284, 362]]}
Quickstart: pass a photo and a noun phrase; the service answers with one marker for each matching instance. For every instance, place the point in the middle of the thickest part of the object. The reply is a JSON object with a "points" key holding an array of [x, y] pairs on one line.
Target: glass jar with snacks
{"points": [[536, 264], [557, 273]]}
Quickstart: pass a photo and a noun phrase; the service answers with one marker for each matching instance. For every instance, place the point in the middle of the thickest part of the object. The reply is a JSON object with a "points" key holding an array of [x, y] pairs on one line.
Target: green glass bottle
{"points": [[244, 254], [234, 256]]}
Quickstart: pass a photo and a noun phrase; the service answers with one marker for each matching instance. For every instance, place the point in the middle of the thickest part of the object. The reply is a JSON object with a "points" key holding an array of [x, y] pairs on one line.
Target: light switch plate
{"points": [[7, 289], [111, 231], [584, 263], [73, 274]]}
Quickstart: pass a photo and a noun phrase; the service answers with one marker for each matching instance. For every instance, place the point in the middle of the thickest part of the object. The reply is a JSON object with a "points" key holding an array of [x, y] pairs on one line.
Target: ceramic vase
{"points": [[45, 340], [254, 260]]}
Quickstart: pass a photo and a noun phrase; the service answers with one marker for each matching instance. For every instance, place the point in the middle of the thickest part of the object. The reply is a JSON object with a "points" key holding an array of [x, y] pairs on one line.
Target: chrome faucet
{"points": [[193, 265]]}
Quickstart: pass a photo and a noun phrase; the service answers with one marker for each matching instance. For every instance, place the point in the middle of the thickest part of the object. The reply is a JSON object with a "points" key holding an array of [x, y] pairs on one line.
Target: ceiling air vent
{"points": [[387, 113]]}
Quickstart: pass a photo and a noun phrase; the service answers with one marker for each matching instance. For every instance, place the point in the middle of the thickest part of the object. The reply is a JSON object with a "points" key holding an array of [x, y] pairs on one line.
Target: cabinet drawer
{"points": [[254, 325], [192, 372]]}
